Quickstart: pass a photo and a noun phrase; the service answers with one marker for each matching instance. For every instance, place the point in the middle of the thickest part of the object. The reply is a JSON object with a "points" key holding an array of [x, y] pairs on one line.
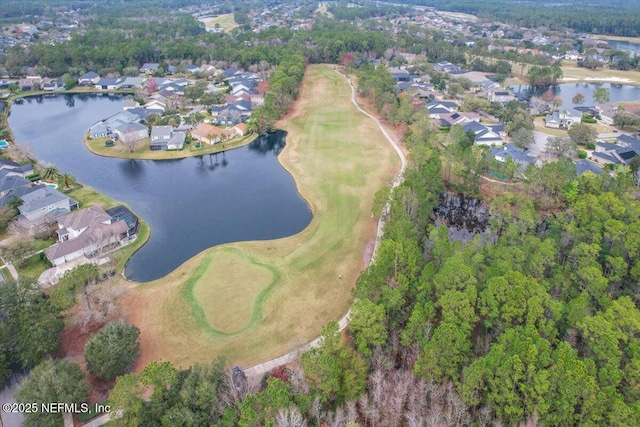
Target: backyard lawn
{"points": [[252, 301]]}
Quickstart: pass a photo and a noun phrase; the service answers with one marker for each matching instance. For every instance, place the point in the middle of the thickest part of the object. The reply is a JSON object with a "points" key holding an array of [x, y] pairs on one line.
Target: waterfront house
{"points": [[87, 232], [166, 138], [44, 205], [98, 130], [131, 132], [207, 133], [107, 84], [561, 120], [90, 78]]}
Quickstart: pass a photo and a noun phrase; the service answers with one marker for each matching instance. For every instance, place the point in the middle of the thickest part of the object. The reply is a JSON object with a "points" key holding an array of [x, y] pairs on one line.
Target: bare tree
{"points": [[290, 417]]}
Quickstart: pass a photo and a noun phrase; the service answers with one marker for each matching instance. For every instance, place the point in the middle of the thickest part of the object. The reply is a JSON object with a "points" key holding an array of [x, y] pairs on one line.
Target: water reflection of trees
{"points": [[272, 141]]}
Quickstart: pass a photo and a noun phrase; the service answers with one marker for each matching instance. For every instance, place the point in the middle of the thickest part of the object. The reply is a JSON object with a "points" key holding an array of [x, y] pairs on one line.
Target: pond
{"points": [[566, 92], [464, 216], [190, 204], [624, 45]]}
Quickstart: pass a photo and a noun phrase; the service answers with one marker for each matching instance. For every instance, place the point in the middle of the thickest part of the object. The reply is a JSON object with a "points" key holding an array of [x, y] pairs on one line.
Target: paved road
{"points": [[263, 368]]}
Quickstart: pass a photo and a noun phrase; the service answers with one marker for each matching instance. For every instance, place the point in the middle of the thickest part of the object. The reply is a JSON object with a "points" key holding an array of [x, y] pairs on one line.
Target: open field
{"points": [[142, 151], [460, 15], [339, 159], [617, 38], [225, 22]]}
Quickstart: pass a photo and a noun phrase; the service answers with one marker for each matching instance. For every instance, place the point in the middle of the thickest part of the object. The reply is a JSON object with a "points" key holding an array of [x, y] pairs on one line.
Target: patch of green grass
{"points": [[32, 267], [87, 196], [229, 274]]}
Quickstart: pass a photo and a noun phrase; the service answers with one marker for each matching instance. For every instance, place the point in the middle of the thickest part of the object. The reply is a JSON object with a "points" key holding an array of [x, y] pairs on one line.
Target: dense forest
{"points": [[618, 17]]}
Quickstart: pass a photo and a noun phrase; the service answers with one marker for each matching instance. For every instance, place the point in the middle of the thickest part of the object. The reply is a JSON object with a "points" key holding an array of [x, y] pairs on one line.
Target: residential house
{"points": [[87, 232], [13, 182], [437, 108], [44, 204], [584, 165], [131, 132], [500, 95], [573, 55], [210, 134], [192, 68], [166, 138], [625, 149], [486, 134], [130, 83], [52, 84], [30, 83], [231, 115], [399, 74], [561, 120], [98, 130], [149, 67], [519, 156], [90, 78], [230, 72], [606, 113], [240, 129], [458, 118], [107, 84]]}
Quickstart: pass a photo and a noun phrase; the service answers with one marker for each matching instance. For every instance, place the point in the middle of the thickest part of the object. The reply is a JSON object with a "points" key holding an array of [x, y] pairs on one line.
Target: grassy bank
{"points": [[252, 301], [142, 151]]}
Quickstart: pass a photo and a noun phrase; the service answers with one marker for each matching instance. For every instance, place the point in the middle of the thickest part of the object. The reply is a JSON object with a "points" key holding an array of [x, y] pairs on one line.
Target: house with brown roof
{"points": [[86, 232], [208, 133]]}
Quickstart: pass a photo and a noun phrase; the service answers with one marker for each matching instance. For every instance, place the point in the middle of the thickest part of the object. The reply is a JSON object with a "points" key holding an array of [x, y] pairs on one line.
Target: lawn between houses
{"points": [[251, 301]]}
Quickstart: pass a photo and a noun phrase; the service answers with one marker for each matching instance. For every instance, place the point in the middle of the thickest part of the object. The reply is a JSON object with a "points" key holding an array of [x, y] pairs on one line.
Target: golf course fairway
{"points": [[253, 301]]}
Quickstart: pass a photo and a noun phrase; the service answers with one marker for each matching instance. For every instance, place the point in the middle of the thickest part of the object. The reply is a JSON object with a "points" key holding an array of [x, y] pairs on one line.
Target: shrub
{"points": [[582, 154], [591, 146]]}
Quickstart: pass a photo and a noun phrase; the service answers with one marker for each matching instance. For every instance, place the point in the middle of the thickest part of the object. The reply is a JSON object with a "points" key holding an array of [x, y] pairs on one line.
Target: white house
{"points": [[561, 120]]}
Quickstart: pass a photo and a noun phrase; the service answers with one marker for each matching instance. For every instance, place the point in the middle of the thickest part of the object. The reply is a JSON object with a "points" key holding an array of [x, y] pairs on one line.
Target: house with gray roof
{"points": [[485, 134], [584, 165], [13, 182], [131, 132], [149, 67], [107, 84], [561, 120], [88, 232], [98, 130], [520, 157], [625, 149], [166, 138], [437, 108], [44, 204], [89, 79]]}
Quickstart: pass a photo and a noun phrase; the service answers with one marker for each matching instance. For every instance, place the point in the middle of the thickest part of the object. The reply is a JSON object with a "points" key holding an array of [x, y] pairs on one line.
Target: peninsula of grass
{"points": [[252, 301], [143, 152]]}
